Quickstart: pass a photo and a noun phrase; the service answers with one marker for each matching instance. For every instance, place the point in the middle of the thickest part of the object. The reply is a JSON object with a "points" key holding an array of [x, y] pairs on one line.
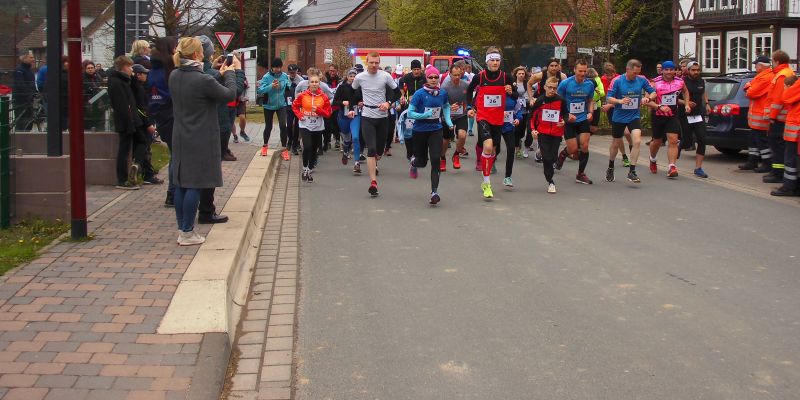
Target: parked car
{"points": [[727, 128]]}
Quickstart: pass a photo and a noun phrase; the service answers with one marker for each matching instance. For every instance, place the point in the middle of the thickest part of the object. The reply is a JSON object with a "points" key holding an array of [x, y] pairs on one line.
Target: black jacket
{"points": [[24, 85], [345, 92], [123, 103], [140, 95]]}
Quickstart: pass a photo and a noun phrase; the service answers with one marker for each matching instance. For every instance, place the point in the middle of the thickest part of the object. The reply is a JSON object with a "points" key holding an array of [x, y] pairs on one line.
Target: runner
{"points": [[665, 121], [427, 107], [311, 107], [346, 98], [409, 84], [492, 86], [599, 95], [553, 70], [512, 118], [333, 80], [547, 124], [626, 97], [609, 76], [520, 75], [272, 87], [456, 88], [375, 116], [578, 92], [696, 118], [302, 86], [291, 121]]}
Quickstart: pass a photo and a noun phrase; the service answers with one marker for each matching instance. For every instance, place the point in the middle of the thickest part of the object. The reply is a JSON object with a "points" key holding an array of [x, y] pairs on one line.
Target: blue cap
{"points": [[668, 65]]}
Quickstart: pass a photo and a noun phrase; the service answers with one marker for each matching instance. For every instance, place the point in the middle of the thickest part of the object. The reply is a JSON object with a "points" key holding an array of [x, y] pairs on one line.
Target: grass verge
{"points": [[255, 114], [21, 242], [159, 155]]}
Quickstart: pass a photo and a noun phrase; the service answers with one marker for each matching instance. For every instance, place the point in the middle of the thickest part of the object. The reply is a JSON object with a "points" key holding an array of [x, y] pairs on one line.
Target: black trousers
{"points": [[206, 208], [311, 142], [428, 145], [128, 142], [549, 144]]}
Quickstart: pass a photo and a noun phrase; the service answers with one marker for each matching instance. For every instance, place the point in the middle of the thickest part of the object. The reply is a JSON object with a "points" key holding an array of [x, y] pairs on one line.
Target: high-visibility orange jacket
{"points": [[758, 93], [791, 102], [776, 110]]}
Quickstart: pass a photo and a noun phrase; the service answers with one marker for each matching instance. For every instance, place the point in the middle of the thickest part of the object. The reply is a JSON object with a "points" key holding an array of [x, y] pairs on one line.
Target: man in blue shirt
{"points": [[626, 96], [578, 92]]}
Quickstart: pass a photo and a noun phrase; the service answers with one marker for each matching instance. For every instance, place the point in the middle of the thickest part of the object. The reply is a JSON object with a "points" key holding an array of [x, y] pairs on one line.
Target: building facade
{"points": [[725, 36], [325, 28]]}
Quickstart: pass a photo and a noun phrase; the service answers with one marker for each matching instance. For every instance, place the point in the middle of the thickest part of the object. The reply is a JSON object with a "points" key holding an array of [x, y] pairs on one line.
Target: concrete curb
{"points": [[214, 288]]}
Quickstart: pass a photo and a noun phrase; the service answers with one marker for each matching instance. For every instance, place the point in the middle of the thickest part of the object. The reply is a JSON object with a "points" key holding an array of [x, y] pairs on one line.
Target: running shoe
{"points": [[698, 172], [244, 136], [264, 151], [582, 178], [361, 157], [464, 153], [610, 174], [133, 173], [434, 199], [310, 177], [625, 161], [337, 145], [304, 177], [551, 188], [487, 190], [344, 158], [525, 153], [537, 156], [357, 168], [285, 154], [296, 150], [387, 152], [518, 154], [653, 167], [442, 165], [127, 185], [673, 172], [562, 156], [235, 139], [456, 161], [373, 189], [633, 177], [508, 182], [413, 173], [471, 133]]}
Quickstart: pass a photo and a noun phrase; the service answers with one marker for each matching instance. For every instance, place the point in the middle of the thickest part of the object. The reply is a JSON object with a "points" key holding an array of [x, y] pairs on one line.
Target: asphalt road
{"points": [[671, 289]]}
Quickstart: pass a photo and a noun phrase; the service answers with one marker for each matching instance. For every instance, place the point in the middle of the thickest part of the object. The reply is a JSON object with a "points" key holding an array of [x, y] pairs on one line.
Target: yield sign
{"points": [[561, 30], [224, 38]]}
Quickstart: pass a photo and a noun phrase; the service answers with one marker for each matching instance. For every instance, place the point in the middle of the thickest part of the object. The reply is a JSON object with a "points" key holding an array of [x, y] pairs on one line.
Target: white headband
{"points": [[493, 56]]}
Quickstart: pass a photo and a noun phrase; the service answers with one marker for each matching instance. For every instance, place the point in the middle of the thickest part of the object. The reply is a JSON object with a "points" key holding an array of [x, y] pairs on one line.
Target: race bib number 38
{"points": [[492, 100], [577, 108], [551, 115]]}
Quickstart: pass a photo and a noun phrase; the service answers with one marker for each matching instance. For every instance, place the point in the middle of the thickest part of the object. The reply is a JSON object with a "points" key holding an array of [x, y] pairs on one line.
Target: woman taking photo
{"points": [[196, 152]]}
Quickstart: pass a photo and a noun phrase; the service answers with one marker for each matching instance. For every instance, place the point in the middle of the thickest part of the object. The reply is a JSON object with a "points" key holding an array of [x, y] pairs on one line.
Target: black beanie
{"points": [[277, 62], [416, 64]]}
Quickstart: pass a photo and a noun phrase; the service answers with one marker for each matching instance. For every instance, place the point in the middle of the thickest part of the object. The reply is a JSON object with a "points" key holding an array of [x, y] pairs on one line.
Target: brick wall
{"points": [[329, 40]]}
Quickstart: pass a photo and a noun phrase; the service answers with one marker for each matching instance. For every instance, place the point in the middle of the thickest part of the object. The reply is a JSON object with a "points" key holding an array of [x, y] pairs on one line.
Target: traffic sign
{"points": [[585, 50], [561, 30], [224, 38], [560, 52]]}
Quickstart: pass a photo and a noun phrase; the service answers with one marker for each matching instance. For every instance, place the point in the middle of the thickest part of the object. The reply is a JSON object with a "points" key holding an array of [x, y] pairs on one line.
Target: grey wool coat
{"points": [[196, 153]]}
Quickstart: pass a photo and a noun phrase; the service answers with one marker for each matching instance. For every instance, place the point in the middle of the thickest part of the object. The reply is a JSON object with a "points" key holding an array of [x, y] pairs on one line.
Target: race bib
{"points": [[436, 112], [312, 123], [521, 103], [669, 99], [508, 117], [577, 108], [693, 119], [289, 100], [633, 105], [409, 123], [492, 100], [551, 115], [459, 109]]}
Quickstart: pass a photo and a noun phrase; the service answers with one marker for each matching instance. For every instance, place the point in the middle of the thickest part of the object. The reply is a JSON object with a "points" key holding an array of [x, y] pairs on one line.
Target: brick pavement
{"points": [[263, 350], [80, 321]]}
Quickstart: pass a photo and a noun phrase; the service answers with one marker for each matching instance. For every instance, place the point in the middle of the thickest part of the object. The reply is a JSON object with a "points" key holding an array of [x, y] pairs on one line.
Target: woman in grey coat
{"points": [[196, 151]]}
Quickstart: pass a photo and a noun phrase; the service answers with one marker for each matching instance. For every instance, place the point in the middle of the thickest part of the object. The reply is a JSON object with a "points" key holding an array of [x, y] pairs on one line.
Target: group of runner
{"points": [[428, 113]]}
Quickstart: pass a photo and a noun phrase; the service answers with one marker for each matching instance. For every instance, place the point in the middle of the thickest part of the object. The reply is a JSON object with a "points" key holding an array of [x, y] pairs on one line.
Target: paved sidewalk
{"points": [[80, 321]]}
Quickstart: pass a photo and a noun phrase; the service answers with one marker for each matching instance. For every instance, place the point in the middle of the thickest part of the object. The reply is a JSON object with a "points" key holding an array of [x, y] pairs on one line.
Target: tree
{"points": [[255, 22], [184, 17], [526, 23], [442, 26]]}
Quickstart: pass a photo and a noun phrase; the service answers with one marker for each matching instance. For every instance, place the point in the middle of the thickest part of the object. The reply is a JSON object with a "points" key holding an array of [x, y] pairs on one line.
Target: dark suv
{"points": [[727, 128]]}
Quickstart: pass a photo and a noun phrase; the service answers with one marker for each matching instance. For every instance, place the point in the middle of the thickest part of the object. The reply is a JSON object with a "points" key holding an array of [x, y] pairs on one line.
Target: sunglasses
{"points": [[433, 77]]}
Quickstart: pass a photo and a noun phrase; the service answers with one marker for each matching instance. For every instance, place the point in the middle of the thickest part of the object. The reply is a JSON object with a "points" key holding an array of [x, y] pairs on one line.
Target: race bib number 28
{"points": [[551, 115], [491, 100]]}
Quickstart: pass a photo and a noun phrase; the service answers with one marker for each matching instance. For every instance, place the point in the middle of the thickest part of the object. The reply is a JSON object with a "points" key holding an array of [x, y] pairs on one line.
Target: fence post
{"points": [[5, 173]]}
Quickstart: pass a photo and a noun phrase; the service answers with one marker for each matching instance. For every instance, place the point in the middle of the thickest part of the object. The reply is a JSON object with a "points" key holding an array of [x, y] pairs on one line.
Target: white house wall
{"points": [[687, 45]]}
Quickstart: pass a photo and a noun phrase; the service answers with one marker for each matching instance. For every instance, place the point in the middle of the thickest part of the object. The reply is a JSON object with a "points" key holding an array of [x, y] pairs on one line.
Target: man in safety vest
{"points": [[757, 91], [777, 115]]}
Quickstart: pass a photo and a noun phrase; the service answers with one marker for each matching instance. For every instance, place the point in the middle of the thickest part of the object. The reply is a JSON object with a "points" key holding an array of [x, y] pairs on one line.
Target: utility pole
{"points": [[269, 35], [77, 152]]}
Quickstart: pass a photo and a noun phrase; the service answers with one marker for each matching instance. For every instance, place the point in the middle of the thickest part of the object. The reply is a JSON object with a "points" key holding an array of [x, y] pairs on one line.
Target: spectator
{"points": [[64, 95], [100, 71], [23, 90], [41, 85], [138, 86], [126, 122], [196, 152], [140, 53], [160, 101], [91, 87]]}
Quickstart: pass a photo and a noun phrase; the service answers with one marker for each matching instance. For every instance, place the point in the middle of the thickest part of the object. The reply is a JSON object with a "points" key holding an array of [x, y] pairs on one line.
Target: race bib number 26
{"points": [[491, 100]]}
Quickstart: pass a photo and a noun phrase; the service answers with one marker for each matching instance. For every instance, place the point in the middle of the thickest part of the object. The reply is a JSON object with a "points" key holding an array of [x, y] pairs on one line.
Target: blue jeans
{"points": [[355, 130], [186, 202]]}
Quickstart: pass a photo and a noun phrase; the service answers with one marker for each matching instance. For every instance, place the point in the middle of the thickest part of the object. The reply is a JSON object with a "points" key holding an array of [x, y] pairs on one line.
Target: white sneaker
{"points": [[190, 239], [551, 188], [525, 152]]}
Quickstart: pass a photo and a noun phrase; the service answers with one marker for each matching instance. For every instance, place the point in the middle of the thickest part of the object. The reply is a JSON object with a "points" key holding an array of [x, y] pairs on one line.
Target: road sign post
{"points": [[561, 30], [225, 39]]}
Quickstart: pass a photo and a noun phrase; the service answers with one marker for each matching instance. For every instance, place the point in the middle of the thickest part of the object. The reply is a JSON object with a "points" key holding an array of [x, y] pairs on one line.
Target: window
{"points": [[750, 6], [705, 5], [762, 45], [442, 65], [710, 55], [772, 5], [727, 4], [738, 54]]}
